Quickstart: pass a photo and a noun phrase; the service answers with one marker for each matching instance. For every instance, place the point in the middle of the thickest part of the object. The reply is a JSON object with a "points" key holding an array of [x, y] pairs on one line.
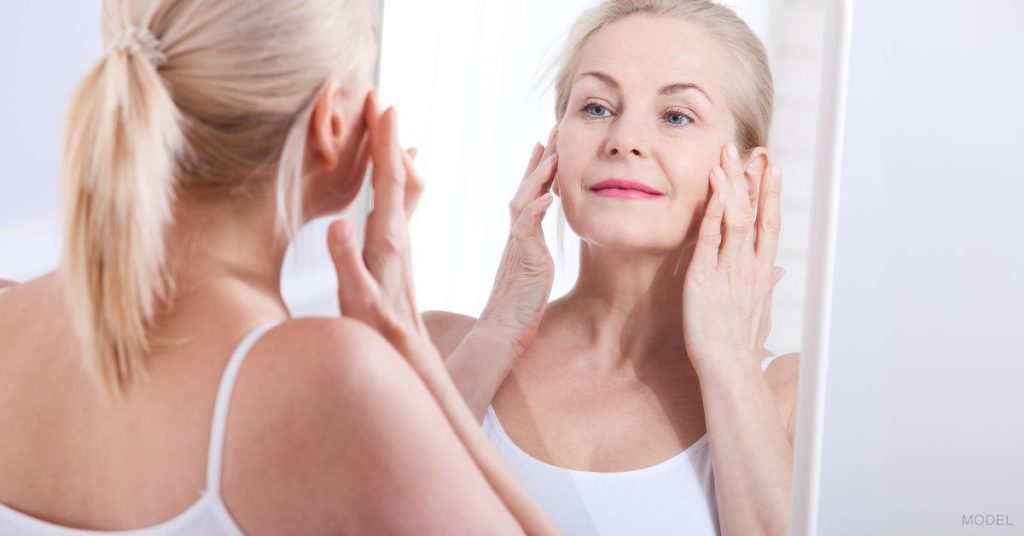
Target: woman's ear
{"points": [[327, 127], [753, 171], [554, 188]]}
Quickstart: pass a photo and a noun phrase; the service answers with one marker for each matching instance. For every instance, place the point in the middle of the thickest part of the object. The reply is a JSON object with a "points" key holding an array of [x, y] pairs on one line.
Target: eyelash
{"points": [[585, 109]]}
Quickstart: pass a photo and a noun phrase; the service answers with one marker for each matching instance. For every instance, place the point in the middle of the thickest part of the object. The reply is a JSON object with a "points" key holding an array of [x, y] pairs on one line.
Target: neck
{"points": [[226, 243], [629, 306]]}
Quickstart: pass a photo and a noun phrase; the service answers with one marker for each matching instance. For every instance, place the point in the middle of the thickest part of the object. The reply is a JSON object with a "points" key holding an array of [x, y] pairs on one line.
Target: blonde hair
{"points": [[750, 102], [190, 94]]}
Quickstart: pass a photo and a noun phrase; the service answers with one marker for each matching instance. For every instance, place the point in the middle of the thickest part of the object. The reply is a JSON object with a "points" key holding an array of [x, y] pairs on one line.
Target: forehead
{"points": [[644, 51]]}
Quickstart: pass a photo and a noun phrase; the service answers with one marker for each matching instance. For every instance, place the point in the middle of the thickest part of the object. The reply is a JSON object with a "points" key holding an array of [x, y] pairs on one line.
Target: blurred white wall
{"points": [[467, 79]]}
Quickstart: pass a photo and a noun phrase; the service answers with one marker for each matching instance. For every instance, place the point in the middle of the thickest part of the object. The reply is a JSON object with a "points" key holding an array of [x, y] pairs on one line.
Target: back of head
{"points": [[190, 94]]}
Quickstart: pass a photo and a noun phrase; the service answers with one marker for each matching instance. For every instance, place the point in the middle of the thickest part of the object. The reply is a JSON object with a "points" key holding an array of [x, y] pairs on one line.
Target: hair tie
{"points": [[134, 40]]}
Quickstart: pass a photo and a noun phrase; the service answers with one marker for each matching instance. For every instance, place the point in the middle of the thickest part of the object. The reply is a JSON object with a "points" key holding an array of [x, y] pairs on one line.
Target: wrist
{"points": [[727, 366], [497, 338]]}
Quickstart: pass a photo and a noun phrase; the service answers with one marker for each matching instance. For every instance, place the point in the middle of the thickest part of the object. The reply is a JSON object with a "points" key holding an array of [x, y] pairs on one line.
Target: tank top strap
{"points": [[215, 455]]}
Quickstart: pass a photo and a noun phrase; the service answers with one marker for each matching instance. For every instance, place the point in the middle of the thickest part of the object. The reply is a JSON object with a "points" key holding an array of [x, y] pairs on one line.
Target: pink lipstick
{"points": [[625, 189]]}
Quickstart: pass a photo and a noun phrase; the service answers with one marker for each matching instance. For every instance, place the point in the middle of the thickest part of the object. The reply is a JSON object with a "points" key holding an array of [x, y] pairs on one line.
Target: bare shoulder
{"points": [[447, 329], [783, 376], [30, 307], [322, 403]]}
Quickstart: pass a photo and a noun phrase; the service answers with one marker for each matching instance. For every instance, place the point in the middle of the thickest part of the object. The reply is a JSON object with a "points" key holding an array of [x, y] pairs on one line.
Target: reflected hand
{"points": [[525, 275], [727, 292]]}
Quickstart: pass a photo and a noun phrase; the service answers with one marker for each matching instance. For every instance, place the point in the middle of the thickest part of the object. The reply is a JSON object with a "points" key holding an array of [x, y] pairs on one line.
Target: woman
{"points": [[194, 148], [650, 375]]}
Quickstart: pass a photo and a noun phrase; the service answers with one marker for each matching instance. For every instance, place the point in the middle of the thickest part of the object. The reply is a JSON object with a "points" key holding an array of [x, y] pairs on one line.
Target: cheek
{"points": [[575, 153]]}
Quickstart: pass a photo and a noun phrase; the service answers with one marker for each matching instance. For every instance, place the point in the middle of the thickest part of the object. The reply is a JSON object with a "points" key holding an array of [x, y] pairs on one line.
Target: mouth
{"points": [[625, 189]]}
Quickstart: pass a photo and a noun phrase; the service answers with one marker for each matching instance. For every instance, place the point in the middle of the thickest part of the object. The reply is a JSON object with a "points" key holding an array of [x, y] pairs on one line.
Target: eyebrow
{"points": [[667, 90]]}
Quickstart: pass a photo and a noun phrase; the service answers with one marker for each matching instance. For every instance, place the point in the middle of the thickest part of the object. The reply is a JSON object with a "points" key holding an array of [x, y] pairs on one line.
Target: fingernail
{"points": [[731, 151], [775, 171]]}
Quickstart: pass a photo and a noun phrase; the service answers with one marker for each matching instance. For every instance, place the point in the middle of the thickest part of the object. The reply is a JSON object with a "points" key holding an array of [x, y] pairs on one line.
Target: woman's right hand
{"points": [[523, 282], [375, 287]]}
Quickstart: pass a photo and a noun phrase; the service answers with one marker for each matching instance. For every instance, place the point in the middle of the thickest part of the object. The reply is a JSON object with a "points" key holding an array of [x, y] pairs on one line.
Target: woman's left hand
{"points": [[727, 291]]}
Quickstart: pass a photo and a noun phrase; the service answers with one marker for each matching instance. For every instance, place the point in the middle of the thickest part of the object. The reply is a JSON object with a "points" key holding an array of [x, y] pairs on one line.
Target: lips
{"points": [[624, 188]]}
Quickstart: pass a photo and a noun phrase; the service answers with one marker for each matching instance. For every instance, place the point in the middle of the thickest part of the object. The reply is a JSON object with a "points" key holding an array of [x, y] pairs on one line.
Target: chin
{"points": [[619, 234]]}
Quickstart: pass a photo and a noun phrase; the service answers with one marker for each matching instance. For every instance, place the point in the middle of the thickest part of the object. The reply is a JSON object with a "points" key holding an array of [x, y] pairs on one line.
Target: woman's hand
{"points": [[375, 285], [727, 292], [524, 279]]}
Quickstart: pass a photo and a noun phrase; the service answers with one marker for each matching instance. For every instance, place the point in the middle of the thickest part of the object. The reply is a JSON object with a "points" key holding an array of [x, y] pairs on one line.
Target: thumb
{"points": [[357, 290]]}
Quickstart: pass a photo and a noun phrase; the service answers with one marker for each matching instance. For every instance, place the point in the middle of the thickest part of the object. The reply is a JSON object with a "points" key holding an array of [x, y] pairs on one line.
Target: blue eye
{"points": [[677, 119], [596, 110]]}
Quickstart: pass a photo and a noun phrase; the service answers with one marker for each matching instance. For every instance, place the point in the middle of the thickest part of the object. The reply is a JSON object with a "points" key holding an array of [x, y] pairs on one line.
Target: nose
{"points": [[626, 137]]}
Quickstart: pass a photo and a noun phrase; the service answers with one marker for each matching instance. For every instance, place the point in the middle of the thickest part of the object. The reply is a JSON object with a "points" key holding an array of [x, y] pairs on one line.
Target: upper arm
{"points": [[447, 329], [783, 375], [333, 429]]}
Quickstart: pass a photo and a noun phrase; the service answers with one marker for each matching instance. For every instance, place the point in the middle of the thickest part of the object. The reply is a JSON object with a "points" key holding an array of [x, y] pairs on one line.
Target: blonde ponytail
{"points": [[192, 95], [121, 142]]}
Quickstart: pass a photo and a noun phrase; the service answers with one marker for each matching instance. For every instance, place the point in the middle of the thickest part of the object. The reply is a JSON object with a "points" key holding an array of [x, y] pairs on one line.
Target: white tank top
{"points": [[207, 516], [676, 496]]}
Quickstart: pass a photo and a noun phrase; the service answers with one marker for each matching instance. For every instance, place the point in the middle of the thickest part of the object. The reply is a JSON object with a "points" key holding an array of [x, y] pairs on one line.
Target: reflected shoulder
{"points": [[447, 329], [783, 376]]}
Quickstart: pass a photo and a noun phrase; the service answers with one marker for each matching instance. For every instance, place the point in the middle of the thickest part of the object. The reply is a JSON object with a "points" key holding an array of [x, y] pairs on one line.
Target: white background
{"points": [[924, 412]]}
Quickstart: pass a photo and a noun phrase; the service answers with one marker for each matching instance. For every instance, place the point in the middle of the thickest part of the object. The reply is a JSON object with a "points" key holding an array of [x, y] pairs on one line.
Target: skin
{"points": [[660, 341], [333, 390]]}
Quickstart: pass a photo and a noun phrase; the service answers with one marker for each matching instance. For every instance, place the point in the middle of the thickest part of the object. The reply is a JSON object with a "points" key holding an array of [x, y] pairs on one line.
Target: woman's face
{"points": [[647, 105]]}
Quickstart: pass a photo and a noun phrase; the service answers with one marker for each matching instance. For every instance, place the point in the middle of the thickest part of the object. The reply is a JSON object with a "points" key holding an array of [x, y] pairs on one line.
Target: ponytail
{"points": [[121, 143]]}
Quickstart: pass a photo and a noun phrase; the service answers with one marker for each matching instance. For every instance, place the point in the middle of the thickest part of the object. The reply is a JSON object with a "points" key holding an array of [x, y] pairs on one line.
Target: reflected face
{"points": [[645, 123]]}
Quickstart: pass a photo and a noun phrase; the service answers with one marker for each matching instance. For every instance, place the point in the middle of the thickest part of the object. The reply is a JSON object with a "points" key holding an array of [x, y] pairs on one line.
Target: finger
{"points": [[389, 177], [528, 230], [734, 172], [552, 146], [709, 238], [545, 151], [362, 159], [357, 289], [737, 223], [769, 216], [535, 157], [388, 169], [534, 185], [413, 184]]}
